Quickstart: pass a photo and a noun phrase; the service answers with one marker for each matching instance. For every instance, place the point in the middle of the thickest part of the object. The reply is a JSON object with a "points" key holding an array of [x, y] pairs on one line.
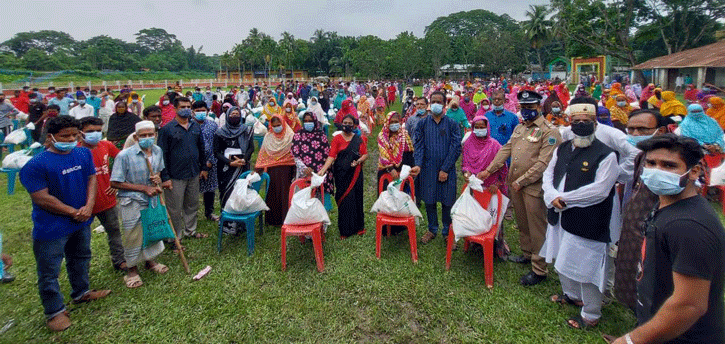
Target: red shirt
{"points": [[339, 144], [168, 113], [101, 153], [21, 103]]}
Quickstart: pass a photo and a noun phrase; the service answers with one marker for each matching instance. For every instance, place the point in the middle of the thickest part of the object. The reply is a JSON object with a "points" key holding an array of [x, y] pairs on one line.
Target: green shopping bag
{"points": [[155, 222]]}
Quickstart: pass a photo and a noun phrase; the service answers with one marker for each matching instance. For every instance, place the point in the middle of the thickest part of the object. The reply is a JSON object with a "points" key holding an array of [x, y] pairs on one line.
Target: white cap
{"points": [[145, 125]]}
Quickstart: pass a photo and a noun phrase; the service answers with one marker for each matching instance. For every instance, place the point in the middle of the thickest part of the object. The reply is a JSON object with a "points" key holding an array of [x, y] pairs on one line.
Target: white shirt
{"points": [[82, 111], [616, 140]]}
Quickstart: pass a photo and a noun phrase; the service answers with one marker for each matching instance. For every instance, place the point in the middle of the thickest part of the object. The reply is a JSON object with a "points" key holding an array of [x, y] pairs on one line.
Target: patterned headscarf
{"points": [[392, 147]]}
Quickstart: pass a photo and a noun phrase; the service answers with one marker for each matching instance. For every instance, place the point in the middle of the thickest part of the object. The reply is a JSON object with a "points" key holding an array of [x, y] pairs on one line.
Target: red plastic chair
{"points": [[711, 161], [485, 239], [314, 229], [387, 220]]}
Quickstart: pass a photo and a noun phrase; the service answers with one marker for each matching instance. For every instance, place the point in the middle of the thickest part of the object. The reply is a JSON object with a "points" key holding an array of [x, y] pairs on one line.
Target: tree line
{"points": [[629, 30]]}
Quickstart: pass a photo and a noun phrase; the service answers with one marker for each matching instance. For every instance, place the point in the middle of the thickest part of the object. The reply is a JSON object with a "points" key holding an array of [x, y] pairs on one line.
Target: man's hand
{"points": [[110, 191], [83, 214], [442, 176], [415, 171], [155, 179], [167, 185], [151, 190], [515, 186], [558, 203], [204, 175]]}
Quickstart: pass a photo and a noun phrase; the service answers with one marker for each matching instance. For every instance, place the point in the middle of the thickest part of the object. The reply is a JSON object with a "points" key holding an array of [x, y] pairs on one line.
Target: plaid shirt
{"points": [[129, 166]]}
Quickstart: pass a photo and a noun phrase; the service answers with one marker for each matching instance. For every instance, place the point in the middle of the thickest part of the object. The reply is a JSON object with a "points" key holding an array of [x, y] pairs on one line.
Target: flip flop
{"points": [[158, 268], [565, 300], [198, 235], [580, 323], [133, 281]]}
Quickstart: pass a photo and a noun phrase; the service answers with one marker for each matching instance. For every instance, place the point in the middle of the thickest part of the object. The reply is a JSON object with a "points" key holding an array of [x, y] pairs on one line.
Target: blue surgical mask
{"points": [[498, 108], [313, 103], [92, 138], [146, 142], [621, 104], [480, 132], [64, 146], [419, 112], [705, 89], [277, 129], [309, 126], [529, 114], [555, 110], [663, 183], [634, 140], [200, 116], [82, 102], [184, 113], [394, 127], [436, 108]]}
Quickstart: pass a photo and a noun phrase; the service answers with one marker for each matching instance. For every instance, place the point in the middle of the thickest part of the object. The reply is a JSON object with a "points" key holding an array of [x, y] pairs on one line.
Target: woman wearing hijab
{"points": [[547, 104], [346, 108], [717, 110], [620, 112], [310, 149], [563, 93], [629, 92], [671, 106], [468, 106], [348, 152], [483, 107], [363, 106], [479, 96], [597, 91], [233, 149], [291, 118], [702, 128], [456, 113], [395, 147], [341, 97], [324, 102], [290, 100], [275, 157], [315, 108], [478, 152], [647, 92], [168, 112], [556, 116], [581, 91], [271, 109], [121, 124], [380, 105], [603, 116], [691, 93], [512, 100], [656, 99]]}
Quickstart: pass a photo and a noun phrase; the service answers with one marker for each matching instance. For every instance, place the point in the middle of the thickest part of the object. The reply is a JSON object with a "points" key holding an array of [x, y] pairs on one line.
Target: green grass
{"points": [[358, 298]]}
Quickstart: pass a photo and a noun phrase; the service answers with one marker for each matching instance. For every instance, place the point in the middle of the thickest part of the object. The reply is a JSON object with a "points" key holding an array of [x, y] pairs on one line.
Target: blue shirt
{"points": [[502, 126], [64, 104], [437, 147], [95, 102], [129, 166], [66, 178]]}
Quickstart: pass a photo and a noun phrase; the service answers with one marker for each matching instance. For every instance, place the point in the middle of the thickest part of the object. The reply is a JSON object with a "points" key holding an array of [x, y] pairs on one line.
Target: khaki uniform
{"points": [[530, 148]]}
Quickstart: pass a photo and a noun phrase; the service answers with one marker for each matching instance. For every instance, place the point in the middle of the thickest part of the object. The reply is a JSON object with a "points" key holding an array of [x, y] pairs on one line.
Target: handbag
{"points": [[155, 222]]}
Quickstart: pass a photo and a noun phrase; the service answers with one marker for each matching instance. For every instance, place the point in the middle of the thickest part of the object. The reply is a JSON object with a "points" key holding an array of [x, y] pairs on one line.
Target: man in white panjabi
{"points": [[579, 192]]}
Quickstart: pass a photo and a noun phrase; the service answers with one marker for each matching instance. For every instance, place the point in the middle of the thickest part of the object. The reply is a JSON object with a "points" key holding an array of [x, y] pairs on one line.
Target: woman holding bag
{"points": [[275, 157], [348, 151], [310, 149], [395, 147], [233, 148]]}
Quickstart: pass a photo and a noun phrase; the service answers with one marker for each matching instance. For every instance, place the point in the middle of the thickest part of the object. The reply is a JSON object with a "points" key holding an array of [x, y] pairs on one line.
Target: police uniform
{"points": [[530, 148]]}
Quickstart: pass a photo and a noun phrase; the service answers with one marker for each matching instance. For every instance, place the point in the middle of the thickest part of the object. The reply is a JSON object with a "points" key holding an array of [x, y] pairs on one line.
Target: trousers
{"points": [[530, 214], [182, 201]]}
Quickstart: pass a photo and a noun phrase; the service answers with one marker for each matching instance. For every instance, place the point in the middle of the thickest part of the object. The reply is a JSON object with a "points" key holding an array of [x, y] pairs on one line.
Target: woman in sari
{"points": [[456, 113], [348, 151], [581, 91], [655, 100], [346, 109], [717, 110], [395, 147], [556, 116], [363, 106], [270, 110], [597, 91], [691, 93], [620, 112], [478, 152], [275, 157], [289, 100], [647, 92], [233, 149], [310, 149], [380, 108], [563, 93], [512, 100], [121, 124], [468, 106], [671, 106], [291, 118], [341, 97], [483, 107], [315, 108], [629, 92]]}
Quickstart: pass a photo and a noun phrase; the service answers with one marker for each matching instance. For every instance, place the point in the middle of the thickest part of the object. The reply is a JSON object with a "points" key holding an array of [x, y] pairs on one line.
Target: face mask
{"points": [[555, 110], [184, 113], [135, 101], [64, 146], [436, 108], [309, 126], [621, 104], [498, 108], [528, 114], [165, 102], [420, 112], [347, 128], [634, 140], [92, 138], [696, 114], [313, 103], [480, 132], [93, 96], [234, 121], [200, 116], [394, 127], [33, 100], [663, 183], [582, 129], [466, 99], [272, 104], [288, 110], [705, 90], [146, 142], [277, 129], [82, 102]]}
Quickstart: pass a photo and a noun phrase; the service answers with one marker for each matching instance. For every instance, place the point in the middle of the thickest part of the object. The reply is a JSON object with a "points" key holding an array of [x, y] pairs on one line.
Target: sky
{"points": [[218, 25]]}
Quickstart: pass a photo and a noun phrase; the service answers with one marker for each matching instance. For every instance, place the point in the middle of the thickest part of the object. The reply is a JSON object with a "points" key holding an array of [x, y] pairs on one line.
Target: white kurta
{"points": [[577, 258]]}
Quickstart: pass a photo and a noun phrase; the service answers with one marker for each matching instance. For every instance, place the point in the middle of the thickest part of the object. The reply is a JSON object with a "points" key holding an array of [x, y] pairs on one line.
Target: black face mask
{"points": [[234, 121], [582, 128], [347, 128]]}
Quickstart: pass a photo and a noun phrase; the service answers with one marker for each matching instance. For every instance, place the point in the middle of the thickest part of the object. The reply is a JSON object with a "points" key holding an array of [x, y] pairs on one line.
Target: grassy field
{"points": [[358, 298]]}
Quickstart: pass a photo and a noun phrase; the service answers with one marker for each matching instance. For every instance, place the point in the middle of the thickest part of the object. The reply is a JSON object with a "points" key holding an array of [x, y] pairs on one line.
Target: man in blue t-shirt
{"points": [[61, 182], [502, 122]]}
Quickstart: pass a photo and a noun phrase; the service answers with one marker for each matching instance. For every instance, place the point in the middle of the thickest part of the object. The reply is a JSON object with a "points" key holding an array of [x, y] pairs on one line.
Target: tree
{"points": [[406, 58], [685, 24], [36, 59], [369, 56], [48, 41], [103, 52], [436, 47], [156, 40], [537, 28]]}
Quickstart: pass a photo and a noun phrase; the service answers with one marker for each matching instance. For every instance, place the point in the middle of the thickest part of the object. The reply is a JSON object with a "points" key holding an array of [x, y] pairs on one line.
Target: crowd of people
{"points": [[604, 181]]}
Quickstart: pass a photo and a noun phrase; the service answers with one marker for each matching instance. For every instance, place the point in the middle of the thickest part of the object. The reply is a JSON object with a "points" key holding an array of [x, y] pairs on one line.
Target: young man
{"points": [[208, 185], [94, 101], [105, 207], [183, 149], [437, 147], [62, 185], [502, 122], [62, 101], [7, 113], [82, 110], [680, 284], [137, 188], [151, 113]]}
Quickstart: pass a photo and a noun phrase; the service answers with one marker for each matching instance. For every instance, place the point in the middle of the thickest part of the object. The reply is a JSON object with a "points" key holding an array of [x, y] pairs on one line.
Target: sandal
{"points": [[565, 300], [198, 235], [91, 295], [121, 267], [132, 281], [579, 323], [158, 268]]}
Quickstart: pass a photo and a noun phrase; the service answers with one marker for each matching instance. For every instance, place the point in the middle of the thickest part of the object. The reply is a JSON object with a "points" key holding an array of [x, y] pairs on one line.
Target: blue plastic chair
{"points": [[247, 219]]}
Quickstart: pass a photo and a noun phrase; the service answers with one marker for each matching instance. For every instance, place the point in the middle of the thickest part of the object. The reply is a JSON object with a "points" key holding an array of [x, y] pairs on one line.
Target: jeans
{"points": [[109, 220], [76, 248], [431, 212]]}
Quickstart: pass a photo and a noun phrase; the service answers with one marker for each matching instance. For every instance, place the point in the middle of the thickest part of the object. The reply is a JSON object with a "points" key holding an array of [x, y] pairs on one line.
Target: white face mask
{"points": [[480, 132]]}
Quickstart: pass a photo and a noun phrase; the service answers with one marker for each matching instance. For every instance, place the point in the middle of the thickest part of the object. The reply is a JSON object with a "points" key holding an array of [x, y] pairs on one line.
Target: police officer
{"points": [[530, 148]]}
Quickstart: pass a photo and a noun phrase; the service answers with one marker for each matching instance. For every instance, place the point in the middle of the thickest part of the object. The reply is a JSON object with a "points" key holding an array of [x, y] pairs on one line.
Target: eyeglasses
{"points": [[641, 130]]}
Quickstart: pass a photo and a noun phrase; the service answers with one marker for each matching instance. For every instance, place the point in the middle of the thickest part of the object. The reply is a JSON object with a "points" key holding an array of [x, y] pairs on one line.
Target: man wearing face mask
{"points": [[82, 110], [209, 185], [183, 150], [61, 182], [7, 112], [530, 148], [502, 122], [579, 192], [421, 111], [437, 146], [94, 101], [680, 277], [35, 113]]}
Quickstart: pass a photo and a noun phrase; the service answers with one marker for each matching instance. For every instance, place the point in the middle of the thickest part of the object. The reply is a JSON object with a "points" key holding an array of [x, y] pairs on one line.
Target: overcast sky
{"points": [[218, 25]]}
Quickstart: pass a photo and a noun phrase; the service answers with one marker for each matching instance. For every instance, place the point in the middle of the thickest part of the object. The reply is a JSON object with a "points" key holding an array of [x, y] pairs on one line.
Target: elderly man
{"points": [[578, 192], [530, 149]]}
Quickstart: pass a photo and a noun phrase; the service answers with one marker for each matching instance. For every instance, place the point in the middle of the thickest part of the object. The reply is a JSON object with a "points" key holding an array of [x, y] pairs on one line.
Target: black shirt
{"points": [[685, 237], [183, 150], [35, 111]]}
